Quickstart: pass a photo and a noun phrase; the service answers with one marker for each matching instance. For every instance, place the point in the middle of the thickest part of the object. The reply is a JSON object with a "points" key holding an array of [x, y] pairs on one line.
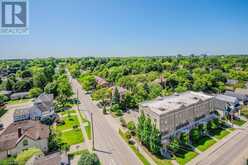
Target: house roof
{"points": [[167, 104], [32, 129], [52, 159], [100, 80], [6, 92], [231, 81], [22, 111], [226, 98], [241, 91], [19, 95]]}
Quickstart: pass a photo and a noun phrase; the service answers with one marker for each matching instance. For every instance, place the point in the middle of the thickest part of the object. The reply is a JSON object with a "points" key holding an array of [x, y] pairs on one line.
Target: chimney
{"points": [[19, 132]]}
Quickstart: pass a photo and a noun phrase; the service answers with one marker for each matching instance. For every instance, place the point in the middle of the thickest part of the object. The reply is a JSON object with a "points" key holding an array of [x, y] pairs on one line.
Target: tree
{"points": [[39, 79], [155, 140], [3, 99], [116, 96], [184, 138], [194, 134], [140, 126], [51, 88], [211, 125], [9, 84], [27, 154], [147, 130], [202, 129], [173, 145], [88, 82], [103, 95], [35, 92], [26, 74], [88, 159]]}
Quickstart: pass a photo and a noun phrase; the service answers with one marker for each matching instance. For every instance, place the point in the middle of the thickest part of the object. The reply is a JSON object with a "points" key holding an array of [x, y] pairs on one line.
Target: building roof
{"points": [[231, 82], [241, 91], [240, 96], [29, 128], [167, 104], [19, 95], [52, 159], [226, 98], [6, 93], [22, 111], [101, 81], [44, 102]]}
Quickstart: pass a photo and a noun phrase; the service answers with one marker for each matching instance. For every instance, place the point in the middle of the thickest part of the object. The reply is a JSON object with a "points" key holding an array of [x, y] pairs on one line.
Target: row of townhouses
{"points": [[181, 112]]}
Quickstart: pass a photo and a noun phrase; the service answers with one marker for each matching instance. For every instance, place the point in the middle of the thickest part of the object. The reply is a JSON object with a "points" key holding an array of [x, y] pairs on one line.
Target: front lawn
{"points": [[69, 123], [21, 101], [87, 125], [64, 113], [183, 156], [219, 133], [204, 143], [71, 137], [238, 122]]}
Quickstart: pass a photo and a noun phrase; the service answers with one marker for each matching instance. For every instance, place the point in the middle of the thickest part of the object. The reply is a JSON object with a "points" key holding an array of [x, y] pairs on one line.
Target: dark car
{"points": [[1, 126]]}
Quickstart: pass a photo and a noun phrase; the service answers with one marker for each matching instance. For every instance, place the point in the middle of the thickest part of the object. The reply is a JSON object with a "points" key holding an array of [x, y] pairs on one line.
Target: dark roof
{"points": [[32, 129]]}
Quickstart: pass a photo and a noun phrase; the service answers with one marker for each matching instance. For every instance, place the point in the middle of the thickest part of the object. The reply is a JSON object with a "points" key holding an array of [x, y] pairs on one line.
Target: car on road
{"points": [[1, 126]]}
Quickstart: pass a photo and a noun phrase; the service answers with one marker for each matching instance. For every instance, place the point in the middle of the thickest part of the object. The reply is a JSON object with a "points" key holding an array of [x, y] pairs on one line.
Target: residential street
{"points": [[108, 145], [230, 151]]}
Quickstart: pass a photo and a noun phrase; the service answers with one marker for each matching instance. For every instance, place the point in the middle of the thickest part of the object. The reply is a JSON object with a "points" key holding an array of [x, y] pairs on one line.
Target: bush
{"points": [[131, 126], [27, 154], [119, 112], [35, 92], [128, 135], [88, 159], [123, 122], [60, 122], [75, 126]]}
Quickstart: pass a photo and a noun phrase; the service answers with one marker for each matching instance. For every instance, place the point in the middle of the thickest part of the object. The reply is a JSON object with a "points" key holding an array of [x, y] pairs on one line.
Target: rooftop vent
{"points": [[162, 109]]}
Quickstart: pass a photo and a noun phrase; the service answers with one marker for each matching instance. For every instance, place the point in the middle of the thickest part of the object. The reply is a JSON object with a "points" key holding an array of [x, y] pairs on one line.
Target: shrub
{"points": [[123, 122], [131, 126], [35, 92], [60, 122], [119, 112], [128, 135], [88, 159], [27, 154], [75, 126]]}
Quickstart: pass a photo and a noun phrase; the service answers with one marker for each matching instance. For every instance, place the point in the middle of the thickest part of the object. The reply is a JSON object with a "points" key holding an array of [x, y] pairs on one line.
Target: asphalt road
{"points": [[232, 152], [109, 147]]}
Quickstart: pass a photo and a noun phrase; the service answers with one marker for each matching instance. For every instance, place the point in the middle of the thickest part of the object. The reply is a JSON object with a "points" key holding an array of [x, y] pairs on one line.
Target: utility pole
{"points": [[77, 101], [92, 130]]}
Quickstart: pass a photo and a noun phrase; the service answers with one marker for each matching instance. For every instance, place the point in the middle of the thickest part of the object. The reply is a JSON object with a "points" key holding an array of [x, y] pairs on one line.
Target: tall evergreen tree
{"points": [[155, 140], [140, 126], [146, 133], [116, 96]]}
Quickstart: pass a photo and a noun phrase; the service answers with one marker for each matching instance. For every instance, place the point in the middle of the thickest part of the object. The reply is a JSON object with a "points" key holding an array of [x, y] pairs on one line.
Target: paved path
{"points": [[229, 151], [108, 145]]}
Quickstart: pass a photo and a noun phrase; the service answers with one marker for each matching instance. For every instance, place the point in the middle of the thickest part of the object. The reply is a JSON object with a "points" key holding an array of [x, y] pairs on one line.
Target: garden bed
{"points": [[239, 122], [204, 143], [183, 156], [219, 133]]}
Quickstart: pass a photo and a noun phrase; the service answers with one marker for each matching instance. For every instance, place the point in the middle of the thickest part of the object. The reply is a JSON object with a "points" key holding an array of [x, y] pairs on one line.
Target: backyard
{"points": [[68, 128]]}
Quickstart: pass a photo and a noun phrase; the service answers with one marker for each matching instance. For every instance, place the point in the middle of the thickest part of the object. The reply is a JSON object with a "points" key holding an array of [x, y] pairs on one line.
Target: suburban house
{"points": [[226, 105], [101, 81], [179, 112], [40, 109], [23, 135], [240, 94], [6, 93], [52, 159], [19, 95]]}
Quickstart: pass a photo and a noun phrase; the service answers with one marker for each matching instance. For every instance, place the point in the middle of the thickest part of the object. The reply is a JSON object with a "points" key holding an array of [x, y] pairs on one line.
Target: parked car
{"points": [[1, 126]]}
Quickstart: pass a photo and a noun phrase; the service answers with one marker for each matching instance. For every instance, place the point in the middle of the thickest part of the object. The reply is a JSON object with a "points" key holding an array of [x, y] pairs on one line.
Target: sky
{"points": [[66, 28]]}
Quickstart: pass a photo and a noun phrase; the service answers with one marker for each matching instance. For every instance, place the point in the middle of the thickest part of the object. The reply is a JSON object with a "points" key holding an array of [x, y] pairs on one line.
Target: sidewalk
{"points": [[216, 146]]}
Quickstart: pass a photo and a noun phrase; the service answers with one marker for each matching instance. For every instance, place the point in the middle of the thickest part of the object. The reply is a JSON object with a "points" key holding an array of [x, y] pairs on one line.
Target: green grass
{"points": [[2, 112], [69, 122], [239, 122], [184, 156], [72, 137], [244, 111], [21, 101], [204, 143], [87, 127], [72, 112], [80, 152], [219, 133], [138, 154]]}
